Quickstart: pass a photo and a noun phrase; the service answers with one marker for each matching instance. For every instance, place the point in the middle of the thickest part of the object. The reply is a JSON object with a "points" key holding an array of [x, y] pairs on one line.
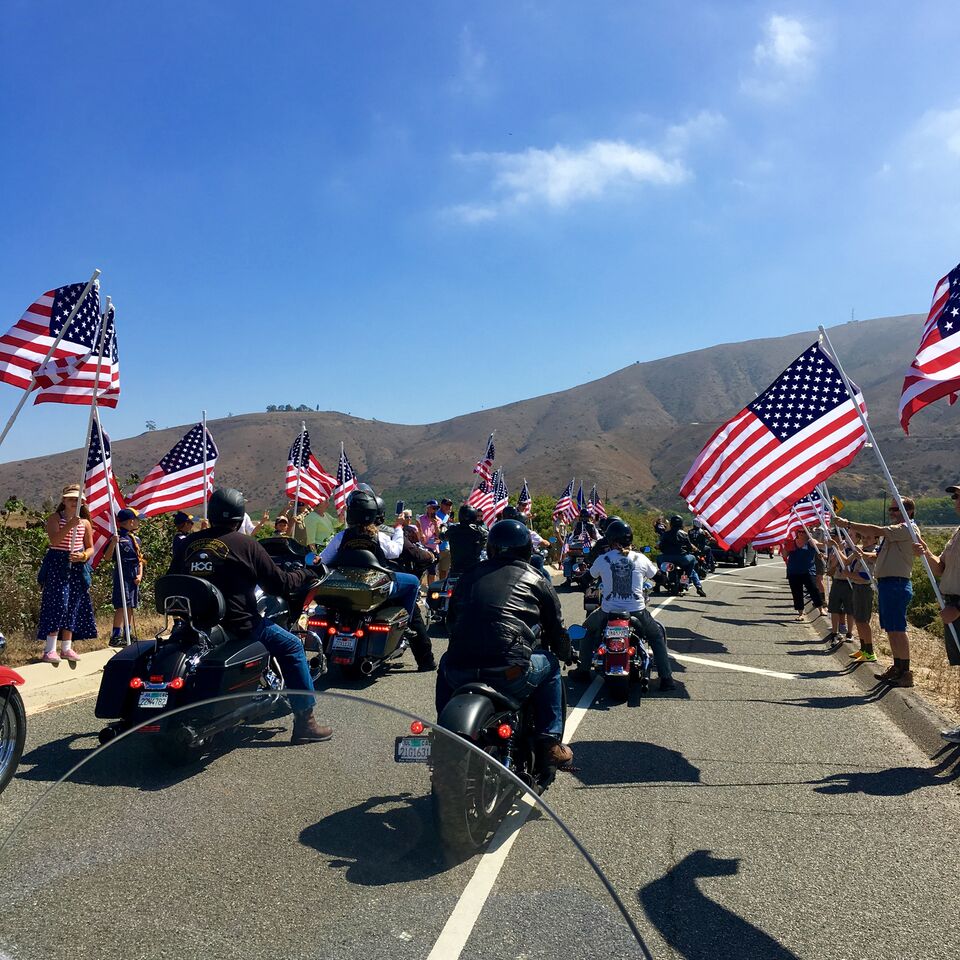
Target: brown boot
{"points": [[307, 730], [559, 754], [892, 671], [904, 679]]}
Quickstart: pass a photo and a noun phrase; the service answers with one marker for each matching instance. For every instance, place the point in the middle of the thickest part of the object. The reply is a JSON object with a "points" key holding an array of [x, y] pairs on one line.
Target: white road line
{"points": [[456, 931], [734, 666]]}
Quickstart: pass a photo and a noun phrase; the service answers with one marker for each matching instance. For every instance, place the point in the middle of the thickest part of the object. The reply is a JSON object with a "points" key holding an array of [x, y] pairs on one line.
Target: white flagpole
{"points": [[296, 494], [113, 528], [53, 346], [206, 495], [828, 500], [96, 392], [914, 534]]}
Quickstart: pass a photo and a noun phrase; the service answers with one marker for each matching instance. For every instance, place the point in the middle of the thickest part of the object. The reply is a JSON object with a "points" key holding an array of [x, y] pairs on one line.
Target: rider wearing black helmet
{"points": [[236, 564], [675, 547], [585, 528], [621, 572], [493, 615], [467, 538]]}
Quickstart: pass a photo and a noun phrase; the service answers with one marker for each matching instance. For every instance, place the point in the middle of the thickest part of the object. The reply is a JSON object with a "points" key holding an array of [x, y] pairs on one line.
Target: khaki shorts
{"points": [[862, 602], [443, 564]]}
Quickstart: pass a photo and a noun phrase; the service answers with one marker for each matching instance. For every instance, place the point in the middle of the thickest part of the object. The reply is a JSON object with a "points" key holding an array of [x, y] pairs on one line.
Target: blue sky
{"points": [[475, 202]]}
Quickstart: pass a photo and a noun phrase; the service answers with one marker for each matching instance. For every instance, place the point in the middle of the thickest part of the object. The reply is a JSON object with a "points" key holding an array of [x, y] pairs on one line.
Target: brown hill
{"points": [[635, 431]]}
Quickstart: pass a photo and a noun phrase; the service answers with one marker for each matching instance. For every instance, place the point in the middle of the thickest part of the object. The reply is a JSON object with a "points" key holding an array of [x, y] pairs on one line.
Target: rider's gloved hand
{"points": [[564, 649]]}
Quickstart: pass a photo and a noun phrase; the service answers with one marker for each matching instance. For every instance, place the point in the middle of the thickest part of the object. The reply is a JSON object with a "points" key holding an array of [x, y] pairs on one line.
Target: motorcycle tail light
{"points": [[632, 651], [601, 649], [379, 627], [317, 623], [175, 684], [331, 630], [135, 683], [156, 678], [416, 727], [359, 633], [616, 646], [504, 731]]}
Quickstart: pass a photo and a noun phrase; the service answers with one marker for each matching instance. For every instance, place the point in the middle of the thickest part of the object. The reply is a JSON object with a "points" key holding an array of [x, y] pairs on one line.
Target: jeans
{"points": [[406, 588], [292, 659], [687, 562], [648, 628], [542, 684], [800, 581]]}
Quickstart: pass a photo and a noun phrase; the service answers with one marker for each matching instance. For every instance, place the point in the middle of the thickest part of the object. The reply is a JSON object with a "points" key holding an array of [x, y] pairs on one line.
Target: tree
{"points": [[303, 408], [151, 426], [271, 408]]}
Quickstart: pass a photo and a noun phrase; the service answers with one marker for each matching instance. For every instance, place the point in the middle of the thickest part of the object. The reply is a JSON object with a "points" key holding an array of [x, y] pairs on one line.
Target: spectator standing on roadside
{"points": [[65, 607], [183, 525], [840, 601], [946, 568], [126, 544], [893, 570], [861, 581], [801, 572], [430, 536], [296, 516], [281, 526], [444, 517]]}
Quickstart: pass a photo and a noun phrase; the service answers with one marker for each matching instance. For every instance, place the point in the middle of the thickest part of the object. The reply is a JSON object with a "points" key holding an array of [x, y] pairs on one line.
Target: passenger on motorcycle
{"points": [[492, 619], [236, 564], [621, 572], [467, 540], [416, 559], [364, 516], [703, 544], [675, 547]]}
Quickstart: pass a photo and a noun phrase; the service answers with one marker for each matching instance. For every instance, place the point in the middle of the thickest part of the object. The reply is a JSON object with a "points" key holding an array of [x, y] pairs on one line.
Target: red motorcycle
{"points": [[13, 724]]}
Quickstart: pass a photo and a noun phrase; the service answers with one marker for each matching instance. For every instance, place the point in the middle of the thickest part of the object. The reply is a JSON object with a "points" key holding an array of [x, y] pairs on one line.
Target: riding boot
{"points": [[420, 644]]}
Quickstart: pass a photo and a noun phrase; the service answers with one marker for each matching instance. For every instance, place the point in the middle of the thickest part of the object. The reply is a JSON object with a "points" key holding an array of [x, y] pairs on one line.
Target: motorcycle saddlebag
{"points": [[117, 673], [234, 667], [380, 644], [354, 588]]}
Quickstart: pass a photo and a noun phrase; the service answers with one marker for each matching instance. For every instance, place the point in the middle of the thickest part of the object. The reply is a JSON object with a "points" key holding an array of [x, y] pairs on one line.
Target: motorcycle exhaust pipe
{"points": [[367, 667]]}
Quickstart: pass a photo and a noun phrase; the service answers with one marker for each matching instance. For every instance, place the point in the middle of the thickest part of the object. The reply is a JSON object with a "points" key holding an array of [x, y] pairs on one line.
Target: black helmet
{"points": [[363, 508], [509, 538], [620, 532], [510, 512], [468, 515], [604, 523], [226, 506], [676, 522]]}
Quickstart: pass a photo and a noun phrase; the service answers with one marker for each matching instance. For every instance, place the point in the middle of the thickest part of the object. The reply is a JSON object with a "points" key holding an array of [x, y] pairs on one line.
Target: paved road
{"points": [[777, 814]]}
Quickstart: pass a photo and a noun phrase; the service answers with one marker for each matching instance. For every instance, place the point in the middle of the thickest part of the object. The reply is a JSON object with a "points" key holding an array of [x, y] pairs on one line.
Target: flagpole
{"points": [[113, 525], [296, 494], [914, 533], [53, 346], [96, 392], [828, 500], [206, 494]]}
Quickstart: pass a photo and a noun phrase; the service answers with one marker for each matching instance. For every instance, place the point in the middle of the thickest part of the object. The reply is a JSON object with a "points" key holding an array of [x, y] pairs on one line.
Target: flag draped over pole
{"points": [[935, 370], [595, 506], [498, 498], [481, 497], [346, 483], [524, 501], [799, 431], [565, 509], [484, 466], [306, 481], [804, 511], [182, 479], [101, 491]]}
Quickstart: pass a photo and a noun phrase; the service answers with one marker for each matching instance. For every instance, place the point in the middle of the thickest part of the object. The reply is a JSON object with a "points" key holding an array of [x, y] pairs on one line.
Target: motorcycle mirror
{"points": [[576, 632], [586, 549], [648, 550], [311, 559], [552, 540]]}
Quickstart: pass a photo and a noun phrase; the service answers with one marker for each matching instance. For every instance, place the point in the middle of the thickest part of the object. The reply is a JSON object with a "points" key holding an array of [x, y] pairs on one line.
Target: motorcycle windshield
{"points": [[392, 839]]}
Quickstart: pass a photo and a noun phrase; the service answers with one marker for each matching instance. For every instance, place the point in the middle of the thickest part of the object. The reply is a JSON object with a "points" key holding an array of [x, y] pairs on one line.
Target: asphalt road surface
{"points": [[767, 808]]}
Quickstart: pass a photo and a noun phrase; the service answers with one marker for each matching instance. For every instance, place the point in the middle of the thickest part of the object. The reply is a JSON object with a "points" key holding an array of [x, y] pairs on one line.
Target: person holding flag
{"points": [[128, 573]]}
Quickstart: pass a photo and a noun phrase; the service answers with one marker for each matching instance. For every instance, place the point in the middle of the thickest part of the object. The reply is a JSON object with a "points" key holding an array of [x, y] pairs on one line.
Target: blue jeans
{"points": [[406, 588], [542, 684], [687, 562], [292, 659]]}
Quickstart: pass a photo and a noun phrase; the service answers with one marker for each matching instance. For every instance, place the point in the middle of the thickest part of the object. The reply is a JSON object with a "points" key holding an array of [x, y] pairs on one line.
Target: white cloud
{"points": [[784, 58], [703, 126], [473, 74]]}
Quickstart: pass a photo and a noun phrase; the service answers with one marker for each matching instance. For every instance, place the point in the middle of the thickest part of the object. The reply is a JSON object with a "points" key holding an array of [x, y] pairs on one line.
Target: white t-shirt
{"points": [[392, 546], [621, 580], [248, 526], [536, 539]]}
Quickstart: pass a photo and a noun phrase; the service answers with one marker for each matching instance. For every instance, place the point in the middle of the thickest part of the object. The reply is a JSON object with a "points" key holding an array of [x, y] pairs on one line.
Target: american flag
{"points": [[596, 505], [481, 497], [524, 502], [498, 498], [346, 482], [565, 508], [800, 430], [484, 466], [98, 484], [935, 371], [24, 347], [303, 467], [176, 482], [805, 512], [72, 379]]}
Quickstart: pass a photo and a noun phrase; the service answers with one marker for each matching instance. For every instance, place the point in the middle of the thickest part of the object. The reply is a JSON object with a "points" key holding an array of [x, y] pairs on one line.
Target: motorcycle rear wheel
{"points": [[619, 687], [13, 733]]}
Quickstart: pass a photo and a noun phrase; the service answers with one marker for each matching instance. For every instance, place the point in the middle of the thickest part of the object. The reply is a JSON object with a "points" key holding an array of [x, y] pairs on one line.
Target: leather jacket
{"points": [[493, 612], [675, 543], [466, 544]]}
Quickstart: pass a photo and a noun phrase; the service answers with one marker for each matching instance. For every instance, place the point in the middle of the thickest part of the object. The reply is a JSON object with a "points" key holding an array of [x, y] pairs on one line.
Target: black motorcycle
{"points": [[438, 597], [196, 660]]}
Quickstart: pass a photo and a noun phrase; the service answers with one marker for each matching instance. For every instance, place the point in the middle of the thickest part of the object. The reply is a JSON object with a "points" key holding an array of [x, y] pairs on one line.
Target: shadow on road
{"points": [[697, 927], [383, 840], [682, 640], [605, 762], [895, 782]]}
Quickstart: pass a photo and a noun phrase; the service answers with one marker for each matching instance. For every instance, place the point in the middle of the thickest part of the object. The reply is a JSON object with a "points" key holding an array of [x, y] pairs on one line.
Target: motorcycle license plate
{"points": [[344, 642], [153, 699], [412, 750], [617, 632]]}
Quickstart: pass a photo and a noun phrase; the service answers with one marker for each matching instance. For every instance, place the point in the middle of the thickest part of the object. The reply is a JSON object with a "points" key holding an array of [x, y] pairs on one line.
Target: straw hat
{"points": [[71, 490]]}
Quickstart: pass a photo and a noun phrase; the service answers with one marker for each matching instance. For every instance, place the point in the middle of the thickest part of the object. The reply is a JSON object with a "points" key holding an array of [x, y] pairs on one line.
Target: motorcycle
{"points": [[576, 564], [621, 657], [675, 581], [13, 722], [438, 597], [591, 595], [196, 659]]}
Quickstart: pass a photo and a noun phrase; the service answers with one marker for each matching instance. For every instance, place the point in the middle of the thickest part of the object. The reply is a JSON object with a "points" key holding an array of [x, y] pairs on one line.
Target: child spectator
{"points": [[126, 544]]}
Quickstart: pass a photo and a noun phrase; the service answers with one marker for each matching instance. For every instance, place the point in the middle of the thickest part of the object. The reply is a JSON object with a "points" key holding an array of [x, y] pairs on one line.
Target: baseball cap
{"points": [[181, 517], [127, 513], [953, 489], [432, 503]]}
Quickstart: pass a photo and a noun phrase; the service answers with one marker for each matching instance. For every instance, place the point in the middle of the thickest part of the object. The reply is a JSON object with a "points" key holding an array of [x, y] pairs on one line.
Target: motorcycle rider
{"points": [[236, 564], [621, 572], [703, 544], [511, 512], [493, 613], [467, 539], [585, 529], [675, 547], [415, 559]]}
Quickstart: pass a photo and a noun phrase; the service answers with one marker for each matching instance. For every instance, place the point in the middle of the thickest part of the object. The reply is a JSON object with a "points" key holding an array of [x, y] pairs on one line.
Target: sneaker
{"points": [[51, 657], [307, 730], [830, 637], [868, 657], [848, 638], [952, 735], [858, 655], [904, 679], [70, 655], [118, 641]]}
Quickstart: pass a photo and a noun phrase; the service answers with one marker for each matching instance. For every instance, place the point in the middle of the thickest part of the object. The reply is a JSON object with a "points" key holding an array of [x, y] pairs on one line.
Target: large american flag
{"points": [[481, 497], [935, 371], [73, 379], [176, 482], [524, 501], [799, 431], [596, 505], [807, 512], [346, 482], [484, 466], [98, 485], [315, 484], [565, 508], [24, 347], [498, 498]]}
